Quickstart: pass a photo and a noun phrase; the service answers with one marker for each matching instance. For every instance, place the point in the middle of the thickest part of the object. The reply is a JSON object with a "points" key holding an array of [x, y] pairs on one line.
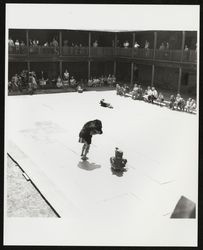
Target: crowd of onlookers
{"points": [[151, 95], [30, 81]]}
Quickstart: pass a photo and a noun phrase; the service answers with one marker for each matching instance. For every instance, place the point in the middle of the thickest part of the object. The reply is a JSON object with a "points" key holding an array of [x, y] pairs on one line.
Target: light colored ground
{"points": [[23, 200], [159, 144]]}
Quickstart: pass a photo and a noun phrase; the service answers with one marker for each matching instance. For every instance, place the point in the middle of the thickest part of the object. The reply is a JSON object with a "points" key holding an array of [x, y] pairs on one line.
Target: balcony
{"points": [[164, 55]]}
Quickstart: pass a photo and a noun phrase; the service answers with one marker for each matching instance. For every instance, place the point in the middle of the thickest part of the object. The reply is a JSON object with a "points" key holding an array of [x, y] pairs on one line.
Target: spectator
{"points": [[46, 44], [15, 82], [17, 46], [66, 75], [162, 47], [136, 45], [65, 43], [126, 44], [172, 102], [113, 80], [167, 46], [188, 105], [109, 80], [139, 93], [72, 82], [193, 105], [186, 48], [59, 83], [10, 42], [154, 95], [147, 95], [95, 43], [179, 102], [90, 82], [146, 45], [160, 98], [135, 92]]}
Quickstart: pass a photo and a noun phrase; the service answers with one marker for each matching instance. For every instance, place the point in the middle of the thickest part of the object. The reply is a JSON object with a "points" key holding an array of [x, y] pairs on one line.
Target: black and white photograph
{"points": [[101, 125]]}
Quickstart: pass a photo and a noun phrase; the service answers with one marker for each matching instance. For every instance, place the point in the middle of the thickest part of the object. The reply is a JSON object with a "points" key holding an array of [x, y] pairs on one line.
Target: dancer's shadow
{"points": [[86, 165]]}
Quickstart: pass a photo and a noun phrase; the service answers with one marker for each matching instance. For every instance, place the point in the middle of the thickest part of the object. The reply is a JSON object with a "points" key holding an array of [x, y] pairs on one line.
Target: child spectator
{"points": [[59, 83]]}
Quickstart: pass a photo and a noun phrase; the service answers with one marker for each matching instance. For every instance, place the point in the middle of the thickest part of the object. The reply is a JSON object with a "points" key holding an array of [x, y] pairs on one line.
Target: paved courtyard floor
{"points": [[160, 146]]}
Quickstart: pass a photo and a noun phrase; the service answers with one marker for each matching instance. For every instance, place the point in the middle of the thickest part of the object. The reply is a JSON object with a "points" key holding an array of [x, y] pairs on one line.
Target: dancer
{"points": [[85, 136]]}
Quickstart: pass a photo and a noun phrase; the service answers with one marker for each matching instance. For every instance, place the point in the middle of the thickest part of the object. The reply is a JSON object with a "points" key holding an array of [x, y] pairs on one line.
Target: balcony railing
{"points": [[17, 50], [43, 50], [165, 55], [74, 51], [169, 55], [190, 56]]}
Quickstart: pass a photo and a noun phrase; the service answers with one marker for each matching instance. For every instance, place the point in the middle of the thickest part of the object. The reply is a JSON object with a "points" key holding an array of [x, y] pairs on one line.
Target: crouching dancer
{"points": [[85, 136]]}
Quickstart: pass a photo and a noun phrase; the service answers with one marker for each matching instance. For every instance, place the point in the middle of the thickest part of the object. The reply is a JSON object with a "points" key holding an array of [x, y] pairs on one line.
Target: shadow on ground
{"points": [[86, 165]]}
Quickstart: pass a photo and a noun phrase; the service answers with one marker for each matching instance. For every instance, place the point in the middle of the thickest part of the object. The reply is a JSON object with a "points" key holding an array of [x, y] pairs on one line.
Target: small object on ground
{"points": [[117, 162]]}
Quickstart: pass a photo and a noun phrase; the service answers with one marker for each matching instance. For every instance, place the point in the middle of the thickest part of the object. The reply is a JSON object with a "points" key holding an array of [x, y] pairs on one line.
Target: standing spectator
{"points": [[135, 92], [186, 48], [95, 44], [10, 42], [162, 47], [113, 80], [146, 45], [136, 45], [17, 46], [126, 44]]}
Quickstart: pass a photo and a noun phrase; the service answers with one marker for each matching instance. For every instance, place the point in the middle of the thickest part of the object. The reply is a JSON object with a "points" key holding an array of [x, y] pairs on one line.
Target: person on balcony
{"points": [[126, 44], [17, 46], [10, 42], [146, 46], [22, 46], [162, 47], [46, 44], [95, 44], [136, 45], [55, 45]]}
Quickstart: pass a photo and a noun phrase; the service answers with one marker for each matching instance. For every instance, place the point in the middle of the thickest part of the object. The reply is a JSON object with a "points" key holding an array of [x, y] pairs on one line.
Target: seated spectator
{"points": [[72, 82], [172, 102], [179, 102], [160, 98], [118, 89], [135, 92], [59, 83], [147, 95], [101, 80], [79, 89], [167, 46], [15, 82], [66, 75], [193, 105], [90, 82], [35, 43], [126, 89], [95, 43], [32, 83], [188, 104], [139, 93], [95, 82], [109, 81], [126, 44], [154, 95], [113, 78], [136, 45], [22, 44]]}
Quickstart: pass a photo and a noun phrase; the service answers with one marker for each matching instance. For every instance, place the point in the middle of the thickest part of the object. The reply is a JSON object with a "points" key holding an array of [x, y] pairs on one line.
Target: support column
{"points": [[133, 42], [115, 44], [60, 69], [179, 79], [153, 69], [60, 43], [27, 41], [182, 45], [114, 68], [89, 70], [155, 44], [89, 43], [132, 72], [28, 66]]}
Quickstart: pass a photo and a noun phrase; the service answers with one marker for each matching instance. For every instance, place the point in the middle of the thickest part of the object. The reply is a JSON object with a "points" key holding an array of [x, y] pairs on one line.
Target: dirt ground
{"points": [[23, 200]]}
